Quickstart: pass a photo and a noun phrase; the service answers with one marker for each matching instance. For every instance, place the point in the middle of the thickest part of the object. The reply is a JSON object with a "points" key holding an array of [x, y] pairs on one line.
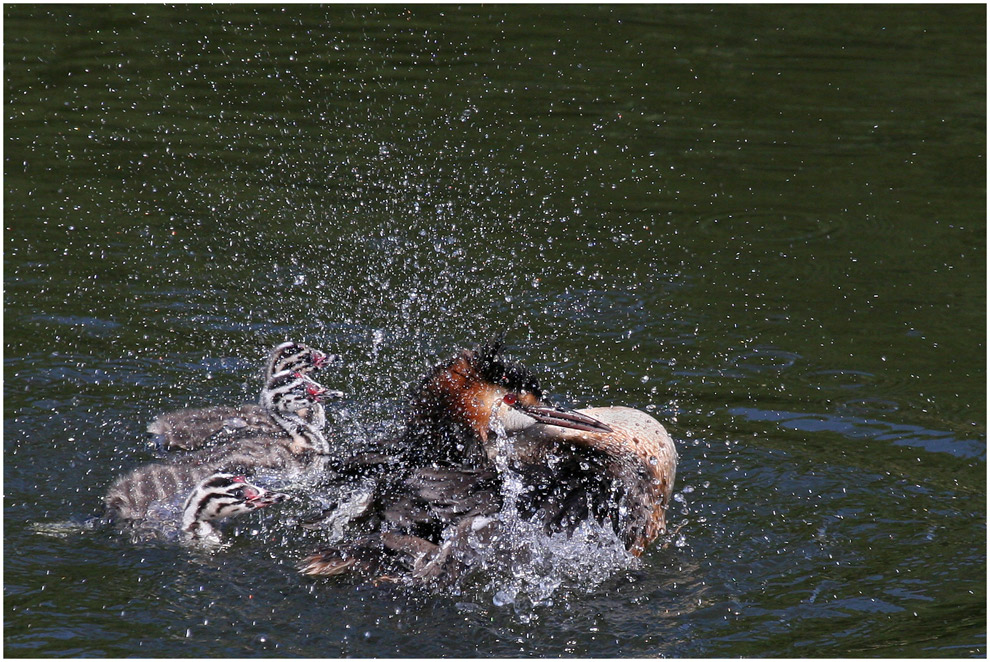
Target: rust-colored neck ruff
{"points": [[451, 410]]}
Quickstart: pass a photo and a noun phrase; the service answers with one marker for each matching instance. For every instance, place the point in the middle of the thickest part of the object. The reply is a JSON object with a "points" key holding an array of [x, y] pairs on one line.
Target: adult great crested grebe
{"points": [[192, 428], [474, 420]]}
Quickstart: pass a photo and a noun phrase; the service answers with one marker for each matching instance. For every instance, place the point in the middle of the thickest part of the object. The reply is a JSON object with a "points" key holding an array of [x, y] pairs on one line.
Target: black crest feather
{"points": [[490, 362]]}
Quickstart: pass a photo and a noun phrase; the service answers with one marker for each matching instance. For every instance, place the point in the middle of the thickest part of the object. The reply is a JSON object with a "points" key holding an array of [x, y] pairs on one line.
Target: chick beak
{"points": [[331, 394], [319, 359], [267, 499], [320, 393]]}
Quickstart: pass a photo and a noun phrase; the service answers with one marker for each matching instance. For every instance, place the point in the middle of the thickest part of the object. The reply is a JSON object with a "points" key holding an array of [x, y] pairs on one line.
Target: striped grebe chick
{"points": [[184, 502], [192, 428], [298, 445], [217, 497]]}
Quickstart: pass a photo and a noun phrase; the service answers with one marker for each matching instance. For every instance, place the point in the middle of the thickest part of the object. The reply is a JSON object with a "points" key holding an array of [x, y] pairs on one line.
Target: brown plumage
{"points": [[441, 480]]}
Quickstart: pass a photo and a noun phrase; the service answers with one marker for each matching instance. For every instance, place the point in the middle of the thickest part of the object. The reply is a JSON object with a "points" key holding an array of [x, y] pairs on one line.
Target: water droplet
{"points": [[502, 598]]}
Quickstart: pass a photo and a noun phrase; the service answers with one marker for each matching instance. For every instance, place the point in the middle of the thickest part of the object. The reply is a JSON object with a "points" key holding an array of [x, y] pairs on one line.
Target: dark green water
{"points": [[765, 225]]}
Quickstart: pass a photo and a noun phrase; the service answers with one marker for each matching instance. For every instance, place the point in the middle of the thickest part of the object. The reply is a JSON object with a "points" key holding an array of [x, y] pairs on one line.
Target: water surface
{"points": [[764, 225]]}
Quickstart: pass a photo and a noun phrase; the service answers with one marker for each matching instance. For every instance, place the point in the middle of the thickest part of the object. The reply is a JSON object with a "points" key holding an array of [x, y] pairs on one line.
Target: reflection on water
{"points": [[764, 226]]}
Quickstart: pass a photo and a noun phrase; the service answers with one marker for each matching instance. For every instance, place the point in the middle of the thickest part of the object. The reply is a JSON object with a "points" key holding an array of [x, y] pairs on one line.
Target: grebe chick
{"points": [[614, 465], [146, 503], [191, 428], [217, 497], [292, 399], [297, 446]]}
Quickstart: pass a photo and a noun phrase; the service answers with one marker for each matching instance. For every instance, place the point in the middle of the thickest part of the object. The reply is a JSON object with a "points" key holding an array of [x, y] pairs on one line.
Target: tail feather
{"points": [[326, 563], [379, 555]]}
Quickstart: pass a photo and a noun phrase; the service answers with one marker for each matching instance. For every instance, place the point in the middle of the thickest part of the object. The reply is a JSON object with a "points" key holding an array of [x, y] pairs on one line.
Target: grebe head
{"points": [[458, 404], [295, 402], [451, 408], [295, 357], [293, 395], [218, 496]]}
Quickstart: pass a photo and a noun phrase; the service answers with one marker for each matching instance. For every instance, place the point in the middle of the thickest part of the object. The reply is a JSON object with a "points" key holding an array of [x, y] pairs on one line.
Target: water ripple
{"points": [[933, 441]]}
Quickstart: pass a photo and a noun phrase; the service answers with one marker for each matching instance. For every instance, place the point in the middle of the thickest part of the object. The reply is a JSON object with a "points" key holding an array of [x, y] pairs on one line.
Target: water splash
{"points": [[540, 564], [351, 503], [525, 565], [65, 528]]}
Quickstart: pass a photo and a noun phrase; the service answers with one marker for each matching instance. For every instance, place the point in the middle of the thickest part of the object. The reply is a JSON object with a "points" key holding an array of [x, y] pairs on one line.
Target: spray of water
{"points": [[523, 565]]}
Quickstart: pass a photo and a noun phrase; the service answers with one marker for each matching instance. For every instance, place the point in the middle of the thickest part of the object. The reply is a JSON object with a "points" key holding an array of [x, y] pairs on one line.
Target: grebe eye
{"points": [[510, 399]]}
